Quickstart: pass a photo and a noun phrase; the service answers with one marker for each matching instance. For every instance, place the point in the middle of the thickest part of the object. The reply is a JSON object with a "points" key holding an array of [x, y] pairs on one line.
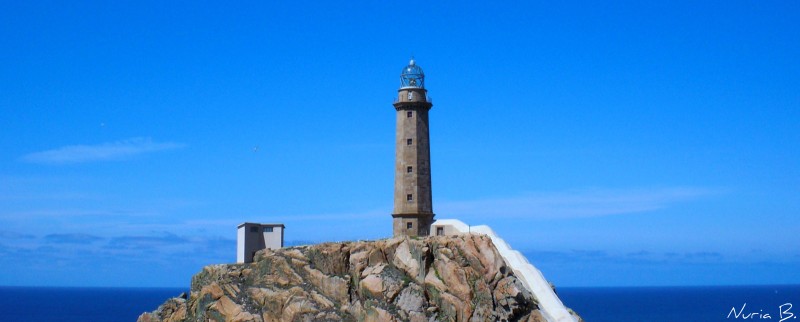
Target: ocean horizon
{"points": [[594, 304]]}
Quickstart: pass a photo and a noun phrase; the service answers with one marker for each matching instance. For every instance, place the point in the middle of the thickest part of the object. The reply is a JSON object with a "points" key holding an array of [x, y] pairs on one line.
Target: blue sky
{"points": [[624, 143]]}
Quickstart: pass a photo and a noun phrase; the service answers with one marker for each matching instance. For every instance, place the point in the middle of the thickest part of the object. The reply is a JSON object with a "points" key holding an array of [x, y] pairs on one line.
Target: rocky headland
{"points": [[437, 278]]}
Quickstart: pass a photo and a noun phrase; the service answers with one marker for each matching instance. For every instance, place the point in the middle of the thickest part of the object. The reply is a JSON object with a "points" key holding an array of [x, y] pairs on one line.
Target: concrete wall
{"points": [[274, 239], [448, 227], [240, 248], [252, 237]]}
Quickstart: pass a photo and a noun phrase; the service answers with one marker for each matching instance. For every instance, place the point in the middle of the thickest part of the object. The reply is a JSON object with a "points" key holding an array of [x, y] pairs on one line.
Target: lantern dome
{"points": [[412, 76]]}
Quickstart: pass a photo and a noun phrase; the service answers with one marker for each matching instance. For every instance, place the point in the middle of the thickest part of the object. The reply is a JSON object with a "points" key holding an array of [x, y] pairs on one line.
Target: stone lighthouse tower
{"points": [[413, 207]]}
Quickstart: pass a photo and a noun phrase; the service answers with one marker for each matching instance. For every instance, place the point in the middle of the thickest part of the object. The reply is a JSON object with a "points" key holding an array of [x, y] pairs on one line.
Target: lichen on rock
{"points": [[437, 278]]}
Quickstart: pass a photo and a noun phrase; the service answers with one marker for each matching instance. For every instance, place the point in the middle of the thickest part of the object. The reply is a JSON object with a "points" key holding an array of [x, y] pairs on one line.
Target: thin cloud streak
{"points": [[102, 152], [574, 204], [72, 212], [14, 235], [71, 238], [147, 242], [641, 257]]}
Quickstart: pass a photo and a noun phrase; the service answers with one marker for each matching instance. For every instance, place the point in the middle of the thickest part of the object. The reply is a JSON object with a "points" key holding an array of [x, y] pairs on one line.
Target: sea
{"points": [[606, 304]]}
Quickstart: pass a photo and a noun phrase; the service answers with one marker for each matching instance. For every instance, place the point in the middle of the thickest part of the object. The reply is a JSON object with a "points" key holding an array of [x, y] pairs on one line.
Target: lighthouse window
{"points": [[409, 197], [409, 169], [409, 225], [409, 114], [408, 141]]}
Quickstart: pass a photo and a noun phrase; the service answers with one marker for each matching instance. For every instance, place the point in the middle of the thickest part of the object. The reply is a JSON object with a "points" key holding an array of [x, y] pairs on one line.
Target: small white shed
{"points": [[252, 237]]}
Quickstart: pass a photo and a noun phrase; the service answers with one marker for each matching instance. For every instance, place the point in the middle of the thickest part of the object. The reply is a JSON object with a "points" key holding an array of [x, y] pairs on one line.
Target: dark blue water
{"points": [[25, 304], [683, 303], [29, 304]]}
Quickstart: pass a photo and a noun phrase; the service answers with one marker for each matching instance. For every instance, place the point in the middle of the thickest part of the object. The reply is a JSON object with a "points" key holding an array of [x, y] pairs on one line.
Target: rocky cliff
{"points": [[441, 278]]}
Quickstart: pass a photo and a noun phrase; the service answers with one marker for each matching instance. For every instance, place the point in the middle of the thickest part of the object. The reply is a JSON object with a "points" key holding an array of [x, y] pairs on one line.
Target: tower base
{"points": [[412, 224]]}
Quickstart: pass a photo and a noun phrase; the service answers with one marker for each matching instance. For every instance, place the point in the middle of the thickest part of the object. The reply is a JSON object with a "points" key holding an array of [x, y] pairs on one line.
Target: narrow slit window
{"points": [[409, 169], [409, 141], [409, 197]]}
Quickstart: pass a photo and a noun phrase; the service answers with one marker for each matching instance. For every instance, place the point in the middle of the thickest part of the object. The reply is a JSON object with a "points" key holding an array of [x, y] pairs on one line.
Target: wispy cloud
{"points": [[643, 256], [147, 242], [82, 239], [574, 204], [102, 152], [13, 235]]}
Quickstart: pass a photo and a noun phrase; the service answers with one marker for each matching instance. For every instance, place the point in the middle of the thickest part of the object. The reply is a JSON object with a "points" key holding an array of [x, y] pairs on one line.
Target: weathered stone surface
{"points": [[232, 311], [334, 287], [510, 300], [377, 314], [173, 310], [456, 278], [405, 260], [411, 299], [372, 285]]}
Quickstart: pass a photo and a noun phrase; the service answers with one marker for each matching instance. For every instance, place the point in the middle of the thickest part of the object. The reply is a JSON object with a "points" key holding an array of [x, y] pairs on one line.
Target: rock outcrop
{"points": [[441, 278]]}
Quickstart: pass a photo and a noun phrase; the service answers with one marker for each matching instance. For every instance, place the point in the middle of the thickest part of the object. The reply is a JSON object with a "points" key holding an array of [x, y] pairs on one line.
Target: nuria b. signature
{"points": [[784, 313]]}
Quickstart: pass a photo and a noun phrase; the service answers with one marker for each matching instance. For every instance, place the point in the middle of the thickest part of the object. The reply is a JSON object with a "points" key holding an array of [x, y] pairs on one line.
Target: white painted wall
{"points": [[252, 237], [450, 227], [240, 244], [274, 239]]}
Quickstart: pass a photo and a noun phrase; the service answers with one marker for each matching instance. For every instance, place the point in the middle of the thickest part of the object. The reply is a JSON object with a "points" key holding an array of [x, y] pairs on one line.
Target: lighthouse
{"points": [[413, 206]]}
